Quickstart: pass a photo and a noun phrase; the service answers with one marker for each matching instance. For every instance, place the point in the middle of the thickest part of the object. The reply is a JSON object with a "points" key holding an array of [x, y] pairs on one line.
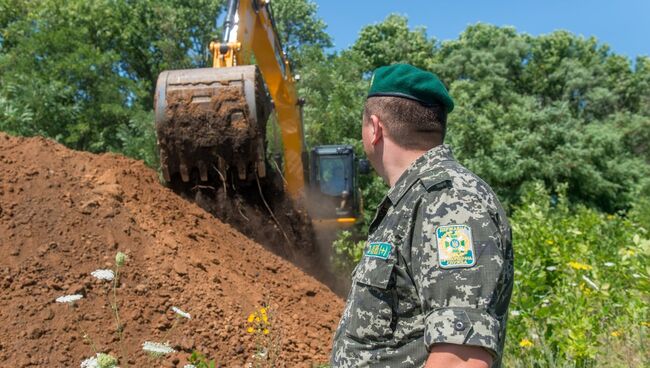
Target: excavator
{"points": [[211, 124]]}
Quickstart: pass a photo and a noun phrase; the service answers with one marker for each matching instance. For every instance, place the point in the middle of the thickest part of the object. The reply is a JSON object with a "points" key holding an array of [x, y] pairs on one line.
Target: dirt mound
{"points": [[64, 214]]}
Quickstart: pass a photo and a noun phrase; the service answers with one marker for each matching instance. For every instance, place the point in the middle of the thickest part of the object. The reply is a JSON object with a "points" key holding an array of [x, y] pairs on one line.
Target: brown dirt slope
{"points": [[64, 214]]}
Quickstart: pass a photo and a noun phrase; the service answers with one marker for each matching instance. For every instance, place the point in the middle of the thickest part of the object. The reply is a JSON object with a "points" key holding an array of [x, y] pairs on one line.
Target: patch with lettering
{"points": [[455, 247], [379, 250]]}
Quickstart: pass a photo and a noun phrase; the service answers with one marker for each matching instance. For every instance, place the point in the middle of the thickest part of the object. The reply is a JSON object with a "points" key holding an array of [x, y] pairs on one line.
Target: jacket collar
{"points": [[429, 161]]}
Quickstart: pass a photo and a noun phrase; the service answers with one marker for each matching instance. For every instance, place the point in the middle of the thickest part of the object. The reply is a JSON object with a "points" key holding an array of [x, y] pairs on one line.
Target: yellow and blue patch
{"points": [[455, 247], [379, 250]]}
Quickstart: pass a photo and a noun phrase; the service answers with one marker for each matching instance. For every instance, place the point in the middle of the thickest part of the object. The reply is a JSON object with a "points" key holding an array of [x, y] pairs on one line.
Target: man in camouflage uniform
{"points": [[435, 280]]}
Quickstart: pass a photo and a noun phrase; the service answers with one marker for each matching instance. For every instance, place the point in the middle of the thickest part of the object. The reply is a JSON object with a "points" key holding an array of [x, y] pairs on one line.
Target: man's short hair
{"points": [[409, 124]]}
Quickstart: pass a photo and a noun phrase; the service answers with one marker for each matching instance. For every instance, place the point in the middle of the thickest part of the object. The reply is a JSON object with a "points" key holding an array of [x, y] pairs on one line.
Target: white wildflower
{"points": [[551, 268], [189, 366], [89, 363], [69, 298], [609, 264], [107, 275], [157, 348], [181, 313], [636, 275], [590, 283], [100, 360], [515, 313]]}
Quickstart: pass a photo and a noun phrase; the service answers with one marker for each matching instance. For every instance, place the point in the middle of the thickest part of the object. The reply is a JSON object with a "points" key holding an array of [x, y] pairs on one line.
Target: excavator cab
{"points": [[334, 197]]}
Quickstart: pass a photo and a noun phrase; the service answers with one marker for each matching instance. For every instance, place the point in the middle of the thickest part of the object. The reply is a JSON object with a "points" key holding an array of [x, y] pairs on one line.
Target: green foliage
{"points": [[391, 41], [556, 108], [138, 138], [201, 361], [84, 72], [13, 115], [347, 252], [334, 90], [581, 286], [299, 26]]}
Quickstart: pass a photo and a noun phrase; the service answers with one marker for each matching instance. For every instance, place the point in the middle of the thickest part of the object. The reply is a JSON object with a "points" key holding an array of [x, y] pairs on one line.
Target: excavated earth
{"points": [[64, 214]]}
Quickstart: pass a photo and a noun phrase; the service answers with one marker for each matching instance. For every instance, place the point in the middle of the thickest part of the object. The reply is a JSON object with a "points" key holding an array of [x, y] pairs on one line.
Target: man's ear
{"points": [[377, 129]]}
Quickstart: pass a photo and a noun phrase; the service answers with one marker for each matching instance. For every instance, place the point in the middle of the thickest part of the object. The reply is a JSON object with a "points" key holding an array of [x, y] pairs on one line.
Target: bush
{"points": [[581, 286]]}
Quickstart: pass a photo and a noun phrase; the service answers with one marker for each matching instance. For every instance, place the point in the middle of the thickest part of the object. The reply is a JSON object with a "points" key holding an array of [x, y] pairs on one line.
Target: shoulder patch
{"points": [[455, 247], [379, 250]]}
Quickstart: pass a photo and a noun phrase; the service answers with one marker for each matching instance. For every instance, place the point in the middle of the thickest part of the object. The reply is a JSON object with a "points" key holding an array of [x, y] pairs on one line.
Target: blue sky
{"points": [[623, 24]]}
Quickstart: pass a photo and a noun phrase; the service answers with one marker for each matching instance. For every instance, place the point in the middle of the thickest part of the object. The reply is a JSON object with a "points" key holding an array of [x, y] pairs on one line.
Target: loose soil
{"points": [[64, 214], [205, 123]]}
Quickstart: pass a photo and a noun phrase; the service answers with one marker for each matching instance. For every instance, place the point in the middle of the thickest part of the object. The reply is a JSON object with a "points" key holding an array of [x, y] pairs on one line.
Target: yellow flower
{"points": [[250, 330], [616, 333], [265, 318], [550, 242], [266, 331], [263, 310], [579, 266], [251, 317], [525, 343]]}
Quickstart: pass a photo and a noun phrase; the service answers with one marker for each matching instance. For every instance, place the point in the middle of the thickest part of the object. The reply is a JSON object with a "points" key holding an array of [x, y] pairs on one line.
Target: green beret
{"points": [[407, 81]]}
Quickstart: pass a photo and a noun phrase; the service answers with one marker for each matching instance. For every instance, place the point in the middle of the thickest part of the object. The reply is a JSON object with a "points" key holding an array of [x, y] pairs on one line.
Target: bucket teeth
{"points": [[222, 168], [241, 170], [185, 175], [203, 170], [261, 162], [261, 170], [164, 163], [165, 172]]}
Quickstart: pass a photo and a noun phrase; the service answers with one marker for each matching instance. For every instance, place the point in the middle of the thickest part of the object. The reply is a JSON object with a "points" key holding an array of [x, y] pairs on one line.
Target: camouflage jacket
{"points": [[437, 268]]}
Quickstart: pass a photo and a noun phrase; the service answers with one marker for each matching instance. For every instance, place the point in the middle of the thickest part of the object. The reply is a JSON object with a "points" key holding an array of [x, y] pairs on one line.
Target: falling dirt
{"points": [[64, 214]]}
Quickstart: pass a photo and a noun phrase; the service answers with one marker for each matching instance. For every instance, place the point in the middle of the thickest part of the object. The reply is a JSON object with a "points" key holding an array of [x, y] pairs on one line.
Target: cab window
{"points": [[333, 177]]}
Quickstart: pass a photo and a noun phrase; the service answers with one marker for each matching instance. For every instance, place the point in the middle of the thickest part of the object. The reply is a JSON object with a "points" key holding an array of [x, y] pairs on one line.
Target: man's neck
{"points": [[398, 162]]}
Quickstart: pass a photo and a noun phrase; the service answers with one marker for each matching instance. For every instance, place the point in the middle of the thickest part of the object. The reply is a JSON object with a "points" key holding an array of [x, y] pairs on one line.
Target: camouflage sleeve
{"points": [[457, 266]]}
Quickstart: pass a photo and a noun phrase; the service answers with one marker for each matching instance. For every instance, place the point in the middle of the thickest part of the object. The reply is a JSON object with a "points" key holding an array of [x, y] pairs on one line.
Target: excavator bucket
{"points": [[211, 123]]}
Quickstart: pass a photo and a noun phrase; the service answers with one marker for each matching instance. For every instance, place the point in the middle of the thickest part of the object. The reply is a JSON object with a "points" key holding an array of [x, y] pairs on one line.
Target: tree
{"points": [[544, 109], [556, 108], [391, 41], [84, 73], [84, 70], [299, 26]]}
